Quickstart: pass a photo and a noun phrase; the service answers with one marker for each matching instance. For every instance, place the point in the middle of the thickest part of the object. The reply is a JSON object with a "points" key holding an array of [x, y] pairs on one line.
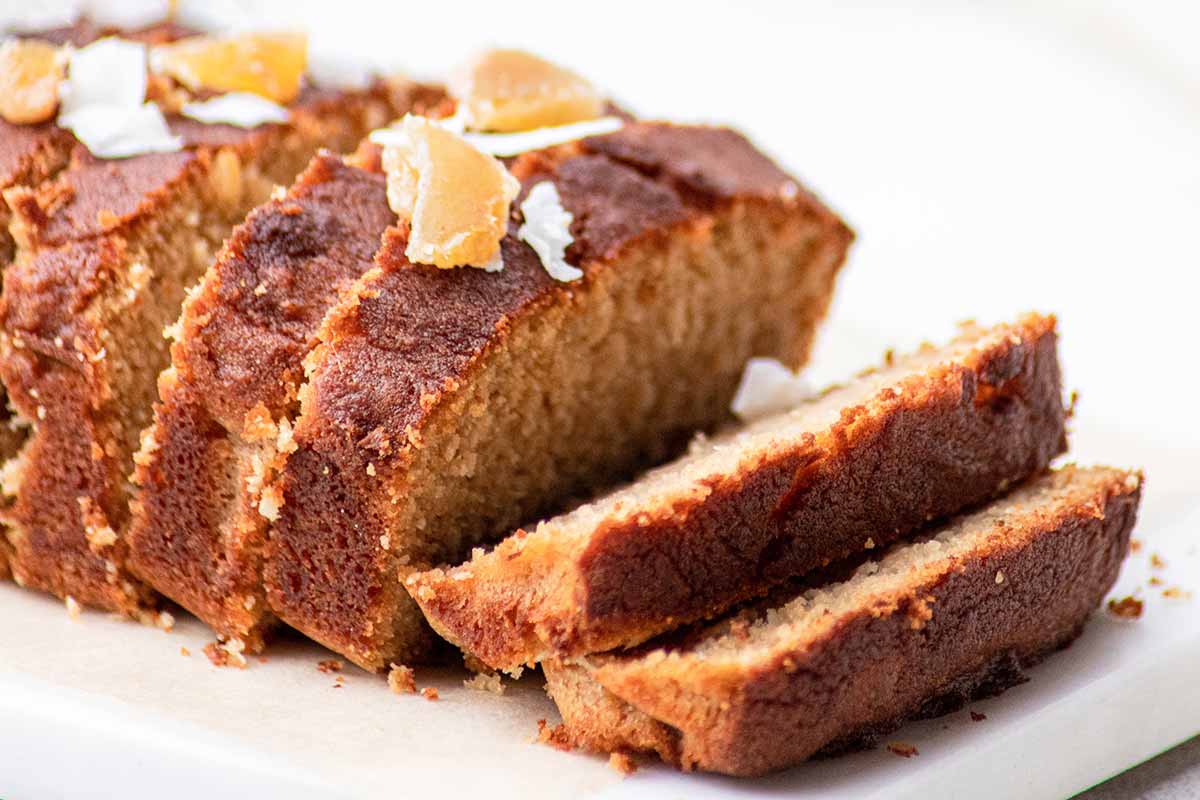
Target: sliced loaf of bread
{"points": [[956, 615], [920, 438]]}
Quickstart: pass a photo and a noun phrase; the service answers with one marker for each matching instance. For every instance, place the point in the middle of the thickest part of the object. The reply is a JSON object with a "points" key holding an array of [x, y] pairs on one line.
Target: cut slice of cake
{"points": [[197, 535], [105, 250], [920, 438], [445, 406], [930, 625]]}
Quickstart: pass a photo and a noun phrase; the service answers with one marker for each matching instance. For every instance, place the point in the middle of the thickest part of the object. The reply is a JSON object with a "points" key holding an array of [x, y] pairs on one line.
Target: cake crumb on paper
{"points": [[429, 693], [484, 682], [1126, 607], [622, 763], [401, 680], [329, 665], [903, 749], [978, 716], [556, 736]]}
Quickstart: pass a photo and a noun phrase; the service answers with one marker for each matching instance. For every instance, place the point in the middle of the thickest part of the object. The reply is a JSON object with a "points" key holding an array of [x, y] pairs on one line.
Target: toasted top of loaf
{"points": [[771, 685], [463, 371], [937, 431]]}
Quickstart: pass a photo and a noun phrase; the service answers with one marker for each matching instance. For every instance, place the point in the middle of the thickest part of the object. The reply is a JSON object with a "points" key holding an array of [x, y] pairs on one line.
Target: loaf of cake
{"points": [[104, 250], [444, 407], [863, 464], [931, 624]]}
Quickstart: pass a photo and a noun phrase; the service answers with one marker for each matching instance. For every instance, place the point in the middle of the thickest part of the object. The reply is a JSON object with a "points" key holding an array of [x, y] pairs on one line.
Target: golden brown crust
{"points": [[957, 434], [410, 340], [963, 626], [106, 251]]}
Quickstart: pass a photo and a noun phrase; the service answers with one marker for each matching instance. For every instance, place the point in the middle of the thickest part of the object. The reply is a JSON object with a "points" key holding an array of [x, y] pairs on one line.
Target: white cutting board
{"points": [[993, 158]]}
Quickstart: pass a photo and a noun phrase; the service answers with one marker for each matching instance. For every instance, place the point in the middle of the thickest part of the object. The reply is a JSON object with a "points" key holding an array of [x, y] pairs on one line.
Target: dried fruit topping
{"points": [[456, 198], [511, 90], [30, 73], [267, 64]]}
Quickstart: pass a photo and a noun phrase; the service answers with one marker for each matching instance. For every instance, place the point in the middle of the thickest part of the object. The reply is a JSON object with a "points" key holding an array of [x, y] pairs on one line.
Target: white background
{"points": [[993, 157]]}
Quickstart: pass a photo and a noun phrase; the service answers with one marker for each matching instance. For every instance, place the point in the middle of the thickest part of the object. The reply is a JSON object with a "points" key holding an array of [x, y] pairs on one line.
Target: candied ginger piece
{"points": [[455, 198], [511, 90], [30, 74], [270, 65]]}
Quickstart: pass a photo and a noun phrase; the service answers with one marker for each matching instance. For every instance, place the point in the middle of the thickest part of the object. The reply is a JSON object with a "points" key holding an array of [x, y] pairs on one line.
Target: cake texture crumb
{"points": [[73, 607], [622, 763], [401, 680], [429, 693], [556, 736], [1125, 608], [329, 665], [485, 682], [903, 749], [977, 716]]}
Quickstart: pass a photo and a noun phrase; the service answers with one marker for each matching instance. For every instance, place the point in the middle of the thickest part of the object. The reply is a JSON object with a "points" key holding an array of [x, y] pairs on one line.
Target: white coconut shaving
{"points": [[767, 387], [126, 14], [513, 144], [242, 109], [102, 101], [547, 229]]}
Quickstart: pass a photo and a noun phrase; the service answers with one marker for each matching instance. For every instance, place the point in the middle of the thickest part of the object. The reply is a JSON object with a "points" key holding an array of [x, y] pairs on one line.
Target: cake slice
{"points": [[920, 438], [29, 155], [443, 407], [957, 615], [197, 535], [105, 250]]}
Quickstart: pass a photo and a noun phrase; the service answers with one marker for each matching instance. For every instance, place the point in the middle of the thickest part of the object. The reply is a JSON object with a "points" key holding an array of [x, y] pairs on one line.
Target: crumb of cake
{"points": [[556, 736], [512, 90], [1135, 545], [339, 681], [429, 693], [483, 682], [183, 651], [1072, 404], [1155, 580], [269, 65], [165, 620], [1176, 593], [475, 665], [903, 749], [455, 198], [270, 503], [226, 654], [329, 665], [401, 679], [977, 716], [999, 576], [622, 763], [1157, 562], [869, 544], [1125, 608], [262, 659], [547, 229], [73, 607], [30, 74]]}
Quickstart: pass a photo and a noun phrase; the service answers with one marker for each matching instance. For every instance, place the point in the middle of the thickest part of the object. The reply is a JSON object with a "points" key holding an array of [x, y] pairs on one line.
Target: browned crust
{"points": [[960, 633], [237, 366], [955, 437], [77, 233], [411, 336]]}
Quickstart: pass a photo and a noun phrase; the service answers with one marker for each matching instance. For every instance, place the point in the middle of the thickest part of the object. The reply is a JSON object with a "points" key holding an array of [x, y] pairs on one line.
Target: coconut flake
{"points": [[513, 144], [101, 102], [547, 229], [242, 109], [767, 387], [127, 14]]}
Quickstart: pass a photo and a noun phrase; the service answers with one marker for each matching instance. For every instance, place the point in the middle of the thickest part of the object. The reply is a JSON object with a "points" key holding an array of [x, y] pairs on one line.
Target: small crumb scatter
{"points": [[73, 607], [1176, 593], [622, 763], [226, 654], [1156, 561], [1135, 545], [1125, 608], [977, 716], [401, 680], [183, 651], [485, 682], [330, 665], [870, 544], [557, 736], [999, 576], [903, 749], [165, 621], [429, 693], [1155, 580]]}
